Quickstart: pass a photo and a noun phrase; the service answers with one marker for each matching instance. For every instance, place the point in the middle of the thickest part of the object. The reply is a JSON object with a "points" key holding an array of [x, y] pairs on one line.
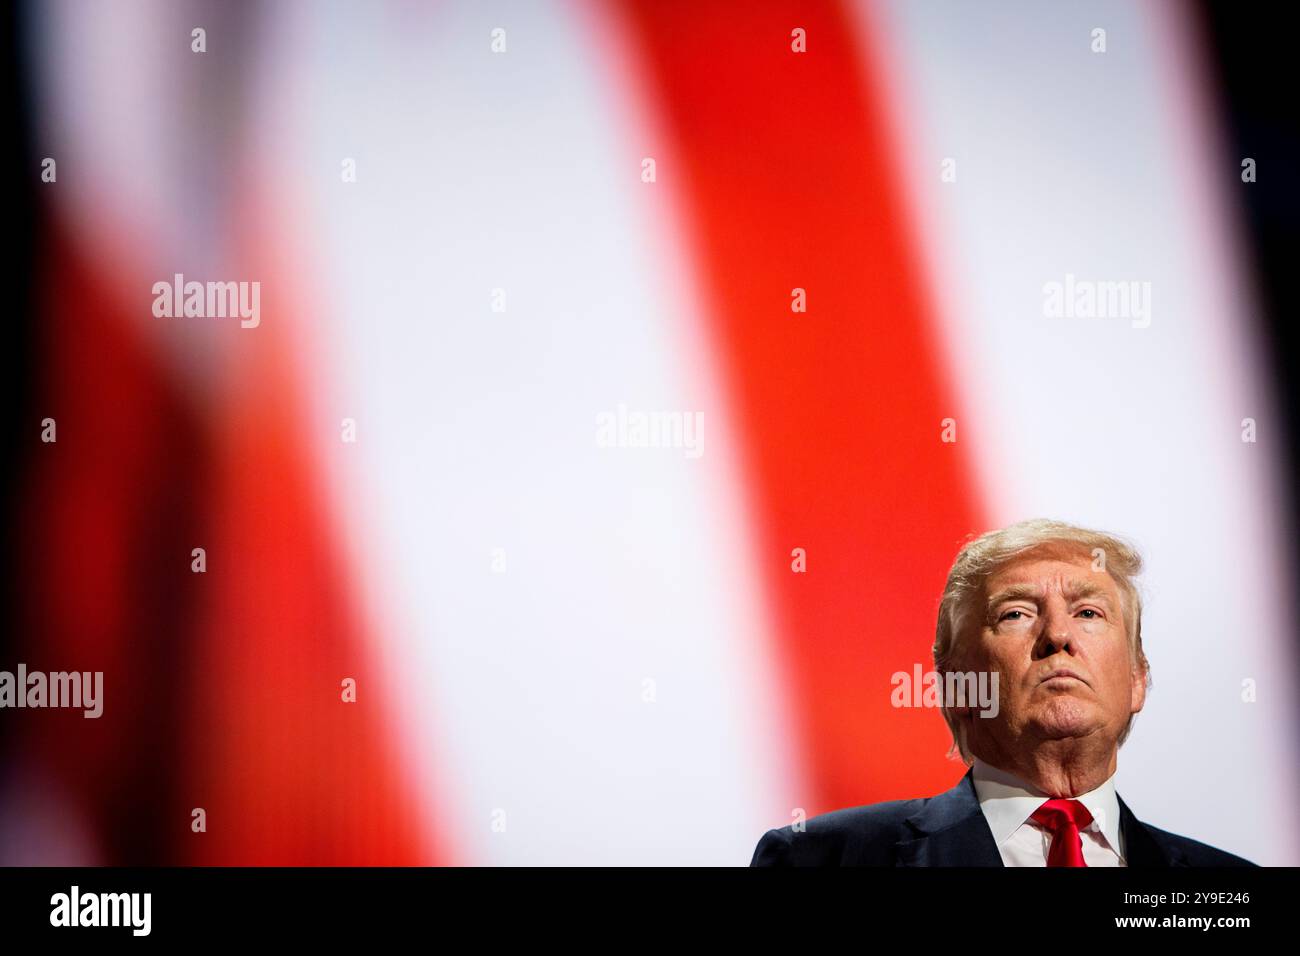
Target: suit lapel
{"points": [[1141, 848], [950, 831]]}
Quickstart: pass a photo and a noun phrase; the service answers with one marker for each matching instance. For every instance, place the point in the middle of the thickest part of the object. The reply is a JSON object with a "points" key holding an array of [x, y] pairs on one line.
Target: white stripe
{"points": [[478, 430]]}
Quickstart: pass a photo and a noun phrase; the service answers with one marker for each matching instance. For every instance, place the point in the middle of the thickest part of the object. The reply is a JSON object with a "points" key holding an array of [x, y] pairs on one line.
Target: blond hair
{"points": [[980, 558]]}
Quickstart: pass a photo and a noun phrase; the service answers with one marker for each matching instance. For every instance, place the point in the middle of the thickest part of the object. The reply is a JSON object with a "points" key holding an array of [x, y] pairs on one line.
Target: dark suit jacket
{"points": [[948, 830]]}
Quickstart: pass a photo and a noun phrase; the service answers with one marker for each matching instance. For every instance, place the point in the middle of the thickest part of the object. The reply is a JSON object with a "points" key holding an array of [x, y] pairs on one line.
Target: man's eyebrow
{"points": [[1079, 590], [1014, 593]]}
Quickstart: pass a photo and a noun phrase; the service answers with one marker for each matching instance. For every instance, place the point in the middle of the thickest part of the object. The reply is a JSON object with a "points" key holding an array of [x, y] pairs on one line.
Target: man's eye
{"points": [[1008, 615], [1088, 610]]}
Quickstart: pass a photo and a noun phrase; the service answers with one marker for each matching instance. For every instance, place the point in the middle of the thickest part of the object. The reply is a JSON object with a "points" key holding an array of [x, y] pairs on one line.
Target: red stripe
{"points": [[222, 689], [785, 165]]}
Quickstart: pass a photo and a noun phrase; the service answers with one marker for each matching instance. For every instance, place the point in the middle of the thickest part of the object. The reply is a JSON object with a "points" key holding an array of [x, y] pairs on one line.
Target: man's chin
{"points": [[1066, 718]]}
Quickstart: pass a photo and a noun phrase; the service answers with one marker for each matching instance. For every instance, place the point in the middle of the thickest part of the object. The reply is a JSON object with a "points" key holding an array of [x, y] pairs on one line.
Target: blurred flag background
{"points": [[478, 228]]}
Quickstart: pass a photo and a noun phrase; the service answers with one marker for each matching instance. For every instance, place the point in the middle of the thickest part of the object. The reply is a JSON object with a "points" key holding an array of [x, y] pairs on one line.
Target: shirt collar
{"points": [[1008, 801]]}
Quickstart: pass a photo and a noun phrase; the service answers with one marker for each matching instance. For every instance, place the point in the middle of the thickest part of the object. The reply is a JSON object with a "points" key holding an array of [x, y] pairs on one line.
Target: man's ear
{"points": [[959, 712], [1138, 697]]}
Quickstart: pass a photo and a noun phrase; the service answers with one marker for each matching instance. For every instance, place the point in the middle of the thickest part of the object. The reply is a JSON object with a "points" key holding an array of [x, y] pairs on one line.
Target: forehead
{"points": [[1047, 566]]}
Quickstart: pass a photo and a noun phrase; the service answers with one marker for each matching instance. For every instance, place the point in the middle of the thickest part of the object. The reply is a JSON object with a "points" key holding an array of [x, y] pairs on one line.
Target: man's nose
{"points": [[1055, 634]]}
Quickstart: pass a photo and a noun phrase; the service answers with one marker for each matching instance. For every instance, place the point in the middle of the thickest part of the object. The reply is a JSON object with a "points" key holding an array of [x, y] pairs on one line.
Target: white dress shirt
{"points": [[1008, 801]]}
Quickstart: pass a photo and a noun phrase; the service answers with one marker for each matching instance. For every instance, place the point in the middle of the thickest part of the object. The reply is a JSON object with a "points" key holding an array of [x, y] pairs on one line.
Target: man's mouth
{"points": [[1062, 676]]}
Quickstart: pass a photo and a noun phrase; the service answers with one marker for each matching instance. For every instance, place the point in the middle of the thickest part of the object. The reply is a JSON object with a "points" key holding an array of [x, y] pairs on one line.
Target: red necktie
{"points": [[1064, 818]]}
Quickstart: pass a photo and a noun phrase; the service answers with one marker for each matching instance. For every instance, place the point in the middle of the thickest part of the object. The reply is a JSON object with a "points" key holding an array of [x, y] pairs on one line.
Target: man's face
{"points": [[1044, 614]]}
